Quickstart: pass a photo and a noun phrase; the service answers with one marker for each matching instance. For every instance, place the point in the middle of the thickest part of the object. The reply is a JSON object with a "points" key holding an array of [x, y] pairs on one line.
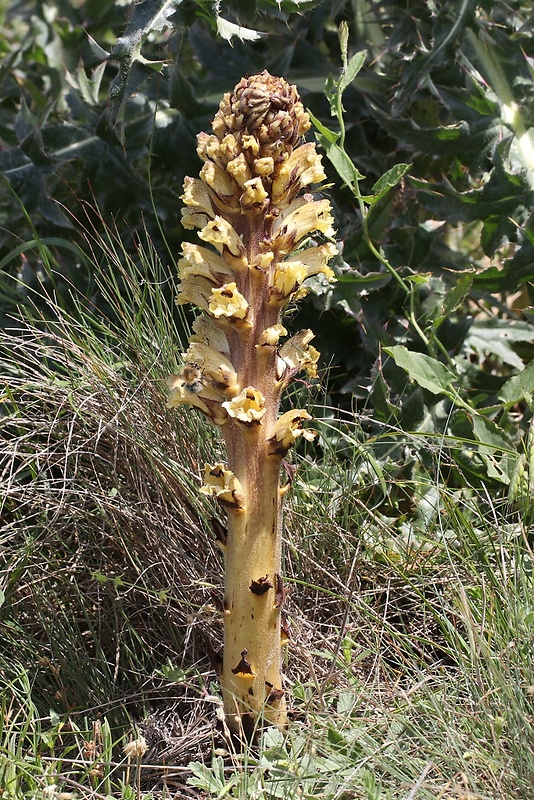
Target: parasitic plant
{"points": [[256, 223]]}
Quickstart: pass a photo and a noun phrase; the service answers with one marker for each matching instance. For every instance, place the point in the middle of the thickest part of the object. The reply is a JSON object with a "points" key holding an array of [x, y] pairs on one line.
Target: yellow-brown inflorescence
{"points": [[256, 222]]}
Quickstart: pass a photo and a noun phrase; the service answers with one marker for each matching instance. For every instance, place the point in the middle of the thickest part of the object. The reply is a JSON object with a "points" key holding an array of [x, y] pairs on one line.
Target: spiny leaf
{"points": [[479, 204], [515, 272], [227, 30], [148, 16], [97, 51], [471, 141]]}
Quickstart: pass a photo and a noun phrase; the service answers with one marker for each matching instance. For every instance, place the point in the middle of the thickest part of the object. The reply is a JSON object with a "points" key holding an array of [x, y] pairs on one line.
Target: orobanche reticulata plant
{"points": [[256, 222]]}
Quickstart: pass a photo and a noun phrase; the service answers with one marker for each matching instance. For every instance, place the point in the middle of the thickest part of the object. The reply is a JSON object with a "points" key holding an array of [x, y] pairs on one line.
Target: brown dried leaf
{"points": [[280, 593], [261, 586], [244, 667], [275, 695]]}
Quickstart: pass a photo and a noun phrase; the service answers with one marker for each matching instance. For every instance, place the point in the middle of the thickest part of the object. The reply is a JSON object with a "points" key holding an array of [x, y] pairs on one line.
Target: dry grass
{"points": [[398, 667]]}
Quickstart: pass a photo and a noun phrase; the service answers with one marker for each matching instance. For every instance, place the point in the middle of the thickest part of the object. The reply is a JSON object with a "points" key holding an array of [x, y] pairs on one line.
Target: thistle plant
{"points": [[256, 222]]}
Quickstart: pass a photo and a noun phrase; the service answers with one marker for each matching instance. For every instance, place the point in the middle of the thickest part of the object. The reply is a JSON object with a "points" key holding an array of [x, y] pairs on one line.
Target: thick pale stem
{"points": [[251, 679]]}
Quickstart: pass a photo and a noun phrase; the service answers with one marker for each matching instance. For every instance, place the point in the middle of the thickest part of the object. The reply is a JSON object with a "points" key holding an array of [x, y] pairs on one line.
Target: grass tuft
{"points": [[410, 661]]}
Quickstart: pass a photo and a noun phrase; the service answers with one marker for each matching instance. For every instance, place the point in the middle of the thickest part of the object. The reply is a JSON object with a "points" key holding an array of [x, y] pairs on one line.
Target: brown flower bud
{"points": [[267, 108]]}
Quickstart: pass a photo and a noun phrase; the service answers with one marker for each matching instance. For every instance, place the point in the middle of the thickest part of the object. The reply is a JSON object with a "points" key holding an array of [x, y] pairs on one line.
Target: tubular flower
{"points": [[254, 193], [179, 394], [223, 484], [208, 333], [316, 259], [199, 262], [287, 429], [239, 170], [263, 261], [208, 399], [196, 291], [270, 336], [220, 233], [248, 406], [197, 195], [217, 179], [214, 366], [301, 221], [290, 273], [302, 168], [257, 227], [228, 302], [288, 277], [198, 201], [297, 354]]}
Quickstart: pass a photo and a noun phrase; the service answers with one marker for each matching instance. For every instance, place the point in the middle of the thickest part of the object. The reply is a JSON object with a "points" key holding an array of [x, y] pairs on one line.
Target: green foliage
{"points": [[409, 523]]}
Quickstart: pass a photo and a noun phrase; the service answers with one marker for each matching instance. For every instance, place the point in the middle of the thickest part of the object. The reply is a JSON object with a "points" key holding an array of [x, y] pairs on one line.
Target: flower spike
{"points": [[262, 236]]}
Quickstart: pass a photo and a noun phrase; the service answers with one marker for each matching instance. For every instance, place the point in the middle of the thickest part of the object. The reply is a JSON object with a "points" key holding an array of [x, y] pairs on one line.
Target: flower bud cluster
{"points": [[255, 220]]}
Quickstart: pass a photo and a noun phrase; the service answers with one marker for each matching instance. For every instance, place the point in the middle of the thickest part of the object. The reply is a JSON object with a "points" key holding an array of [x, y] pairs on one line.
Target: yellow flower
{"points": [[270, 336], [198, 261], [229, 147], [263, 261], [287, 429], [206, 332], [288, 276], [239, 170], [214, 365], [217, 179], [208, 400], [304, 216], [220, 233], [198, 204], [227, 301], [297, 354], [248, 406], [250, 143], [254, 193], [264, 166], [221, 483], [194, 218], [197, 195], [208, 146], [180, 393], [301, 168], [315, 259], [195, 290]]}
